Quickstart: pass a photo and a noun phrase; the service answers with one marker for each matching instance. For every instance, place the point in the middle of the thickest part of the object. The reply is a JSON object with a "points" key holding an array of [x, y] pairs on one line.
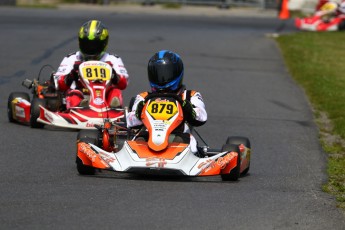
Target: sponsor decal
{"points": [[107, 158], [98, 93], [156, 162], [202, 164], [20, 112], [86, 149], [222, 162], [98, 101], [90, 124]]}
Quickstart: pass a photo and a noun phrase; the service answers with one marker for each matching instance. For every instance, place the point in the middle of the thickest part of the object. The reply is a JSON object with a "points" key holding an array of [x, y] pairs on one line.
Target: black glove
{"points": [[188, 111], [72, 76], [115, 78], [139, 109], [76, 66]]}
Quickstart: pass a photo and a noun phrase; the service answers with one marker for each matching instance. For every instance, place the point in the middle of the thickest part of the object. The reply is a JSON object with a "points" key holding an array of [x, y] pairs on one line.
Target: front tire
{"points": [[235, 172], [35, 112], [87, 136], [9, 103], [237, 140]]}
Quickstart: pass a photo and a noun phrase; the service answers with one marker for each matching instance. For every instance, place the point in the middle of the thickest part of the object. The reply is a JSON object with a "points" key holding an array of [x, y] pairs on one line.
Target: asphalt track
{"points": [[247, 91]]}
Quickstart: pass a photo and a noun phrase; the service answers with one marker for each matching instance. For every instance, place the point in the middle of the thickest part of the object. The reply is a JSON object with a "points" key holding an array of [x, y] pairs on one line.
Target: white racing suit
{"points": [[68, 64]]}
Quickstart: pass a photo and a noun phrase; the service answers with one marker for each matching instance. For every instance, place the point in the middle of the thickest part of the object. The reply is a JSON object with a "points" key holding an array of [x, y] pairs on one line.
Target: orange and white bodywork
{"points": [[176, 159], [158, 155]]}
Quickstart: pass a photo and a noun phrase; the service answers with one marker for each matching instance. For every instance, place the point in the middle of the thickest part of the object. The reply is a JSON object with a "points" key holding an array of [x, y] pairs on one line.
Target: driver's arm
{"points": [[132, 119]]}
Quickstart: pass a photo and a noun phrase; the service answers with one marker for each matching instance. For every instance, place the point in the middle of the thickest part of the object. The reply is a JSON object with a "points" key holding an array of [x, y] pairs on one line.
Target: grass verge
{"points": [[317, 62]]}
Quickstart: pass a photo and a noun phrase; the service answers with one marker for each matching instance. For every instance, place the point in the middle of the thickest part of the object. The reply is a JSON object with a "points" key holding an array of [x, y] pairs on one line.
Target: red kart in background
{"points": [[328, 17], [47, 107], [316, 23]]}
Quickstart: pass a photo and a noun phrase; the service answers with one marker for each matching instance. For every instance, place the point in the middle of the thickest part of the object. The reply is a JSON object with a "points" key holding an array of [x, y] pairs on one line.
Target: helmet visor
{"points": [[91, 47], [161, 74]]}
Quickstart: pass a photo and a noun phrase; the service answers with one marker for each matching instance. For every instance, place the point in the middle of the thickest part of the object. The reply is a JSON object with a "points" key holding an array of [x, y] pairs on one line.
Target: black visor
{"points": [[93, 47]]}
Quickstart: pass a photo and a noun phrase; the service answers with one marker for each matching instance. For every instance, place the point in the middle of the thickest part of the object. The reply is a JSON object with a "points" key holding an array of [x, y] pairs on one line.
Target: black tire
{"points": [[235, 172], [341, 25], [84, 169], [91, 134], [35, 112], [9, 103], [236, 140], [53, 104], [87, 136]]}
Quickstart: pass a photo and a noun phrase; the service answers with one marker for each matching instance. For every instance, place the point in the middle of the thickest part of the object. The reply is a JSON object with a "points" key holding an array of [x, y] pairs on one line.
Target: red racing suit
{"points": [[73, 87]]}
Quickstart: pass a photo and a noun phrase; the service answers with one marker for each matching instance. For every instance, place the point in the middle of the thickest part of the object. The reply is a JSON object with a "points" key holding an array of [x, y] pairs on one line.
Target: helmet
{"points": [[342, 7], [165, 71], [93, 40]]}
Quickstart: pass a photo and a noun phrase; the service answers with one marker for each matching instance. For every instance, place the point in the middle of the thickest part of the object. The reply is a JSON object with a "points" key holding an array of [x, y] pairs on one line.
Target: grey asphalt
{"points": [[247, 90]]}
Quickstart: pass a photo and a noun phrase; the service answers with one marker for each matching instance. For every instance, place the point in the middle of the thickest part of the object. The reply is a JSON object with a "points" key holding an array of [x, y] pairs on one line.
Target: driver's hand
{"points": [[139, 109], [188, 111], [72, 76], [76, 66]]}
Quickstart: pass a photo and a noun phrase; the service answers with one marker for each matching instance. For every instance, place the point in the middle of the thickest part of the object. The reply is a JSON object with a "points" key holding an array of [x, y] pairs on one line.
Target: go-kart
{"points": [[158, 148], [325, 18], [47, 106], [317, 23]]}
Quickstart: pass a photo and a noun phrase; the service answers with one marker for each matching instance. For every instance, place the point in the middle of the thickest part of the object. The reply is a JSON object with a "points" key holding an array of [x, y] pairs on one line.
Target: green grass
{"points": [[317, 62], [171, 5]]}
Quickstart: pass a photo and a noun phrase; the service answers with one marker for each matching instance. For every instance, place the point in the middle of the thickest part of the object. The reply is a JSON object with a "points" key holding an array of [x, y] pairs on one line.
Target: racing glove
{"points": [[73, 75], [188, 111], [139, 109], [115, 78]]}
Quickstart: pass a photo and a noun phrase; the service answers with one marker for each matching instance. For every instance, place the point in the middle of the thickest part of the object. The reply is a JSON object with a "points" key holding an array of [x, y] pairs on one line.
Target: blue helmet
{"points": [[165, 71]]}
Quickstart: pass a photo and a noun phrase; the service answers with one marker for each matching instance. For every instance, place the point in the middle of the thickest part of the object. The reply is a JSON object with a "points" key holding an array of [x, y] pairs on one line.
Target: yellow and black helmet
{"points": [[93, 40]]}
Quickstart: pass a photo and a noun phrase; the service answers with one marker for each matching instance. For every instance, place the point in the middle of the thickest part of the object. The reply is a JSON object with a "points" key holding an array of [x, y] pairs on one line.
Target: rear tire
{"points": [[87, 136], [341, 25], [9, 103], [35, 112], [236, 140], [235, 172]]}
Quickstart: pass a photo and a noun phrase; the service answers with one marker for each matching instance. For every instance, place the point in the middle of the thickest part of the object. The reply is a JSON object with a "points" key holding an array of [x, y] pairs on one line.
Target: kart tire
{"points": [[341, 25], [35, 112], [235, 172], [84, 169], [93, 136], [9, 103], [53, 104], [88, 136], [236, 140]]}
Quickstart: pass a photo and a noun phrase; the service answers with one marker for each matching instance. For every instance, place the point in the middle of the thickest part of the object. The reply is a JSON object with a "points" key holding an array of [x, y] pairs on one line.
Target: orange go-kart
{"points": [[157, 148]]}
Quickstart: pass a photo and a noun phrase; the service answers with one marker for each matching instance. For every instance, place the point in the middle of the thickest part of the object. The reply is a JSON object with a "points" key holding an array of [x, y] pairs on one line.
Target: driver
{"points": [[165, 73], [331, 9], [93, 42]]}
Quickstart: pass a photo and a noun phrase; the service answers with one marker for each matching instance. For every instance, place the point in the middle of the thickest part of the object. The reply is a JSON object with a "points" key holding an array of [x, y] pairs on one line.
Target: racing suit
{"points": [[199, 118], [66, 79]]}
